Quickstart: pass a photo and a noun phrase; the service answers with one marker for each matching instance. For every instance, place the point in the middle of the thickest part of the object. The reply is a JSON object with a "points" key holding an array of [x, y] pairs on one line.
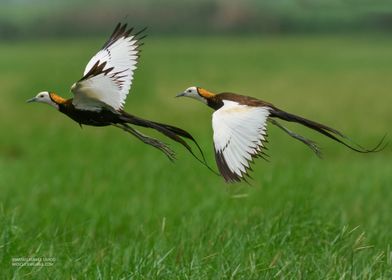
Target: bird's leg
{"points": [[311, 144], [148, 140]]}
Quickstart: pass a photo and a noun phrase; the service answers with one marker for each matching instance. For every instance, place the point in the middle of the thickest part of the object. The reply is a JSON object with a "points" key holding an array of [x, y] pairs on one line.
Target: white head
{"points": [[197, 93], [44, 97]]}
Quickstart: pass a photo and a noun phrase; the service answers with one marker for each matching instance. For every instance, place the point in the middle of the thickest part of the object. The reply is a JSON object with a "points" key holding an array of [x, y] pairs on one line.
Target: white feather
{"points": [[113, 87], [238, 133]]}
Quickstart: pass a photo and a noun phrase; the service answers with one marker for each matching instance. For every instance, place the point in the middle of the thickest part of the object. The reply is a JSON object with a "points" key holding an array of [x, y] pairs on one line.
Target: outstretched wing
{"points": [[239, 135], [108, 75]]}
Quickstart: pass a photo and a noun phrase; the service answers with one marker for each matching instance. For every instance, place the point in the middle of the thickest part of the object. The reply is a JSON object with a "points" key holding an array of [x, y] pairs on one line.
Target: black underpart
{"points": [[325, 130], [172, 132], [104, 117]]}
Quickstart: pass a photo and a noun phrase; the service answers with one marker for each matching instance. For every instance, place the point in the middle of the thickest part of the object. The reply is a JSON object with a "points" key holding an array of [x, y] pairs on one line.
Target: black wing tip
{"points": [[229, 176], [121, 30], [97, 69], [232, 177], [140, 32]]}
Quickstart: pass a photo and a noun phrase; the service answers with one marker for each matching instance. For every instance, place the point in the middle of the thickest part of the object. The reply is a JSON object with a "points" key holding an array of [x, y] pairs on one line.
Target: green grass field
{"points": [[106, 206]]}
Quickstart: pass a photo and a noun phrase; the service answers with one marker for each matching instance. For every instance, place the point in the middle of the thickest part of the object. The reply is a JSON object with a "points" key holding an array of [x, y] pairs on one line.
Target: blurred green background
{"points": [[42, 18], [106, 206]]}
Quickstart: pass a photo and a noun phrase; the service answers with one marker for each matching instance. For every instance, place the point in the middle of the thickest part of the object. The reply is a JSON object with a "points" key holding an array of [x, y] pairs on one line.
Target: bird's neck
{"points": [[205, 93], [215, 102], [57, 99], [212, 99]]}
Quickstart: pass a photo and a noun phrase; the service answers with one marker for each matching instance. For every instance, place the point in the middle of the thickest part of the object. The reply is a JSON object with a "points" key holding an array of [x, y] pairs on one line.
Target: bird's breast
{"points": [[101, 117]]}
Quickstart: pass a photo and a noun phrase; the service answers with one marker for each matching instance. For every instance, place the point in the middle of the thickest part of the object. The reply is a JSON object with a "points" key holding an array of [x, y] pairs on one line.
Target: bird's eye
{"points": [[41, 96], [189, 90]]}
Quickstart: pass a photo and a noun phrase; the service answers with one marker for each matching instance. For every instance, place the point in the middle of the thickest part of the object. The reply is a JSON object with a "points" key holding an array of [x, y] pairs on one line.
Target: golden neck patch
{"points": [[205, 93], [56, 98]]}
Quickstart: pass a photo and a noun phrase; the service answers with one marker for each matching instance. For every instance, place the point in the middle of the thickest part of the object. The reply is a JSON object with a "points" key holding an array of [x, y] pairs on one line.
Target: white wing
{"points": [[108, 75], [239, 135]]}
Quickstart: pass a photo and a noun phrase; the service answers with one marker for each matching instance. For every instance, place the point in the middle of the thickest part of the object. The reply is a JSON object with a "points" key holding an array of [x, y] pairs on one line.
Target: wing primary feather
{"points": [[96, 70], [240, 136], [228, 175], [115, 35], [108, 76], [122, 31], [140, 32]]}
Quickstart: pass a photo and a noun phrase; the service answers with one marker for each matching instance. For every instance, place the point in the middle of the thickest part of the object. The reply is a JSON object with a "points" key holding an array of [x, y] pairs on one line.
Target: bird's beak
{"points": [[180, 94], [31, 100]]}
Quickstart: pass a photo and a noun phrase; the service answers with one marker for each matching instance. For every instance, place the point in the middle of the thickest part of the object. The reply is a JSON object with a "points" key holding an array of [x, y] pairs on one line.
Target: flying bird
{"points": [[99, 96], [240, 130]]}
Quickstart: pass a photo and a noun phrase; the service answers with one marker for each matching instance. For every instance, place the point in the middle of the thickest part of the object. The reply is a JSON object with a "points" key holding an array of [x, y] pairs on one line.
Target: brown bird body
{"points": [[240, 130], [100, 94], [108, 116], [103, 117]]}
